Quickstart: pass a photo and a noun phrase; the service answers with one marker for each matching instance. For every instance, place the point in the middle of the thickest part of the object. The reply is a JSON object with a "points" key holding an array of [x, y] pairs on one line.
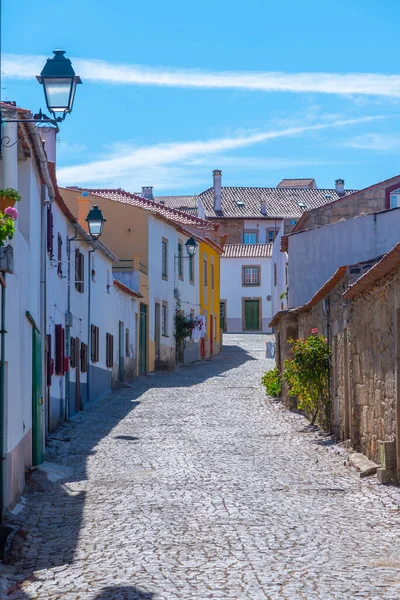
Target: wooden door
{"points": [[252, 315], [37, 400], [143, 339]]}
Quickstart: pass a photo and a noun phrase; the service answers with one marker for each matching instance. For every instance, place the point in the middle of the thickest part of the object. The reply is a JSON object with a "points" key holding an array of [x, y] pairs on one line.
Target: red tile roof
{"points": [[296, 183], [120, 195], [247, 251], [245, 202], [377, 271]]}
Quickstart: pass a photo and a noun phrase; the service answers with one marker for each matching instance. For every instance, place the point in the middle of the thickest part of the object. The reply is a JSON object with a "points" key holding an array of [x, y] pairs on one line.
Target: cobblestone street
{"points": [[194, 485]]}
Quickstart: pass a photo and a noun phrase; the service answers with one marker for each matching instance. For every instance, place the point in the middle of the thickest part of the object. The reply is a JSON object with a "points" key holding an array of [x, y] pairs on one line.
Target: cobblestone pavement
{"points": [[193, 485]]}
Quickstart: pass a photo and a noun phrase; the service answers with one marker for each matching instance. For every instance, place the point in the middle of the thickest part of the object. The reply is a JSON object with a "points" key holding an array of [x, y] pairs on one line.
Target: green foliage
{"points": [[272, 382], [11, 194], [184, 325], [283, 295], [7, 228], [307, 375]]}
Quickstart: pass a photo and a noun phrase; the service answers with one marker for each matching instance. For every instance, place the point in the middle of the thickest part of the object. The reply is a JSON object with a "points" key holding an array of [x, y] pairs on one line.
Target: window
{"points": [[60, 341], [127, 344], [94, 343], [275, 275], [251, 276], [250, 238], [164, 319], [395, 199], [79, 271], [271, 235], [109, 350], [164, 259], [191, 269], [93, 269], [59, 255], [180, 261], [84, 357], [205, 269], [212, 276]]}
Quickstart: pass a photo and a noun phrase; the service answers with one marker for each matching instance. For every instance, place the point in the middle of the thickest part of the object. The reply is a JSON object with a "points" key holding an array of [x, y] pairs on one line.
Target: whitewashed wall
{"points": [[233, 292], [125, 310], [280, 259]]}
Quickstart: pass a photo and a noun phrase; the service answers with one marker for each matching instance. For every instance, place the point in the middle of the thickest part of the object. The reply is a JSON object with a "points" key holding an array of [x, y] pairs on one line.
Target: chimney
{"points": [[339, 186], [263, 208], [147, 192], [217, 177]]}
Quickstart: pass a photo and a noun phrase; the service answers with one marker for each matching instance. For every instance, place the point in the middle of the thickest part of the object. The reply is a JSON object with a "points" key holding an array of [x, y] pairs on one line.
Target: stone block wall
{"points": [[233, 227], [369, 200]]}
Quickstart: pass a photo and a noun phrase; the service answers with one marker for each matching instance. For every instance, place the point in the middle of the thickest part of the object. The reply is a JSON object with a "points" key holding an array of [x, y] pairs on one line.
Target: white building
{"points": [[246, 288]]}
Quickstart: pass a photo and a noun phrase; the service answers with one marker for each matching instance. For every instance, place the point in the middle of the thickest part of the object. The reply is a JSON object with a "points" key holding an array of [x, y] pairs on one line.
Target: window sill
{"points": [[164, 335], [248, 285], [180, 277], [165, 277]]}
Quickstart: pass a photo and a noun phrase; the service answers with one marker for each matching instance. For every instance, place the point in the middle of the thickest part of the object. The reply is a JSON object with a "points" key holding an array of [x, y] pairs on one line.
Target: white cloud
{"points": [[166, 165], [376, 84], [374, 141]]}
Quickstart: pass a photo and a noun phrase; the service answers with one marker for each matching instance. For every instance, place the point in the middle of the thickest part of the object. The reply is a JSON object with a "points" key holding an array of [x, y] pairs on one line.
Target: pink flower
{"points": [[11, 212], [315, 330]]}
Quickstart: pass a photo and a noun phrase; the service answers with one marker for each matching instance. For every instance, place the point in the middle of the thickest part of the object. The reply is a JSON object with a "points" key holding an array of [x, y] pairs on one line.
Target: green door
{"points": [[37, 400], [252, 315], [143, 339]]}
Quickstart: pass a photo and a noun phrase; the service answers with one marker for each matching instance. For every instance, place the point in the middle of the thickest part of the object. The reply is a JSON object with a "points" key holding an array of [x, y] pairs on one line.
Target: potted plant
{"points": [[7, 224], [8, 197]]}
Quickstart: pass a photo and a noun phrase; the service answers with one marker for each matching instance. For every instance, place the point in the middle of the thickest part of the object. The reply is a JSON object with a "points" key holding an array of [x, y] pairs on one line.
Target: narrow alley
{"points": [[194, 485]]}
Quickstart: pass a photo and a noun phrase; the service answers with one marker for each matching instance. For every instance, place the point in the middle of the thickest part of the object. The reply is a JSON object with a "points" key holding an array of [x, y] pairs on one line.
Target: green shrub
{"points": [[272, 382], [307, 375]]}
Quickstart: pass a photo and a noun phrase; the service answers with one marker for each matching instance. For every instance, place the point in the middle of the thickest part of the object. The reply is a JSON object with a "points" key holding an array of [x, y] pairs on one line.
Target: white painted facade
{"points": [[163, 290], [314, 255], [279, 275], [126, 315], [234, 293], [265, 229]]}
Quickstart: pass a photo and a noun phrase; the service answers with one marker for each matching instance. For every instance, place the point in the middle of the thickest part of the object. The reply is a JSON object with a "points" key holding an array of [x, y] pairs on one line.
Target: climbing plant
{"points": [[184, 325], [307, 375]]}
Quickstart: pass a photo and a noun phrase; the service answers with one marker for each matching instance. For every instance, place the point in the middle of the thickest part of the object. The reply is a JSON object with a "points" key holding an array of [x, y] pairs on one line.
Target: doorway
{"points": [[252, 315], [143, 338], [222, 315]]}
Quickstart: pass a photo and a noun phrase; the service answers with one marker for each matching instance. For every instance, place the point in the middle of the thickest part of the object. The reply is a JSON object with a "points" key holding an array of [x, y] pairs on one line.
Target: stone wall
{"points": [[362, 335], [369, 200], [234, 229]]}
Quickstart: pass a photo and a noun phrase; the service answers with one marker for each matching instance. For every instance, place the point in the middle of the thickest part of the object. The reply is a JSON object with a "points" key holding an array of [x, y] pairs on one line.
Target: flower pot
{"points": [[5, 202]]}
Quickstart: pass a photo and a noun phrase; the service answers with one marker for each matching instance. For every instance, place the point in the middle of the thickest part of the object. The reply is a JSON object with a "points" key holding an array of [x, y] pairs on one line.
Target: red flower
{"points": [[315, 330]]}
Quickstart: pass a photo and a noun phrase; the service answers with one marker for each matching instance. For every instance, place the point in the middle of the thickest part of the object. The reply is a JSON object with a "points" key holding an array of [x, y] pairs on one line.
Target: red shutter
{"points": [[60, 340], [49, 365], [50, 231]]}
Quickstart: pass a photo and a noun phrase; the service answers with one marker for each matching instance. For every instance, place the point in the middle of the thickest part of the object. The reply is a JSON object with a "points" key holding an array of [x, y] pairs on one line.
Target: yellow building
{"points": [[209, 268]]}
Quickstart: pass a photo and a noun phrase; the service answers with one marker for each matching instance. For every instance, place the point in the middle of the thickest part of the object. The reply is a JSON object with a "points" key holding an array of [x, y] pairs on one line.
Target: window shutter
{"points": [[50, 231], [73, 353], [59, 254], [48, 365], [82, 271], [77, 269], [59, 366]]}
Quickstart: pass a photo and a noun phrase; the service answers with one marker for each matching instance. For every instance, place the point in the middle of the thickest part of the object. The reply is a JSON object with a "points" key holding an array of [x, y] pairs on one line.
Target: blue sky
{"points": [[262, 90]]}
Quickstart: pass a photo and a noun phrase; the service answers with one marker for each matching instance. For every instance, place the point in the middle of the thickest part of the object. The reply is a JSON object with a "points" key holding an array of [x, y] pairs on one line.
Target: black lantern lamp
{"points": [[191, 247], [59, 83], [95, 221]]}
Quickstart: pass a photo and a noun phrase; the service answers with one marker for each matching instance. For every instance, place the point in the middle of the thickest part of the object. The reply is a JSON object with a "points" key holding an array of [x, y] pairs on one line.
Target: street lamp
{"points": [[59, 84], [191, 247], [95, 221]]}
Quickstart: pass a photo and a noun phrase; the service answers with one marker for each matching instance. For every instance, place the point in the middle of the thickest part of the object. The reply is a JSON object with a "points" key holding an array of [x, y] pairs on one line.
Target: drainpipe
{"points": [[88, 324], [43, 298]]}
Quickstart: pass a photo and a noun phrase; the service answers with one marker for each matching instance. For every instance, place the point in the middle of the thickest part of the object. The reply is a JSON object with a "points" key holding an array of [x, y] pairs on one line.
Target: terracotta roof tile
{"points": [[245, 202], [296, 183], [247, 251], [120, 195], [377, 271], [186, 204]]}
